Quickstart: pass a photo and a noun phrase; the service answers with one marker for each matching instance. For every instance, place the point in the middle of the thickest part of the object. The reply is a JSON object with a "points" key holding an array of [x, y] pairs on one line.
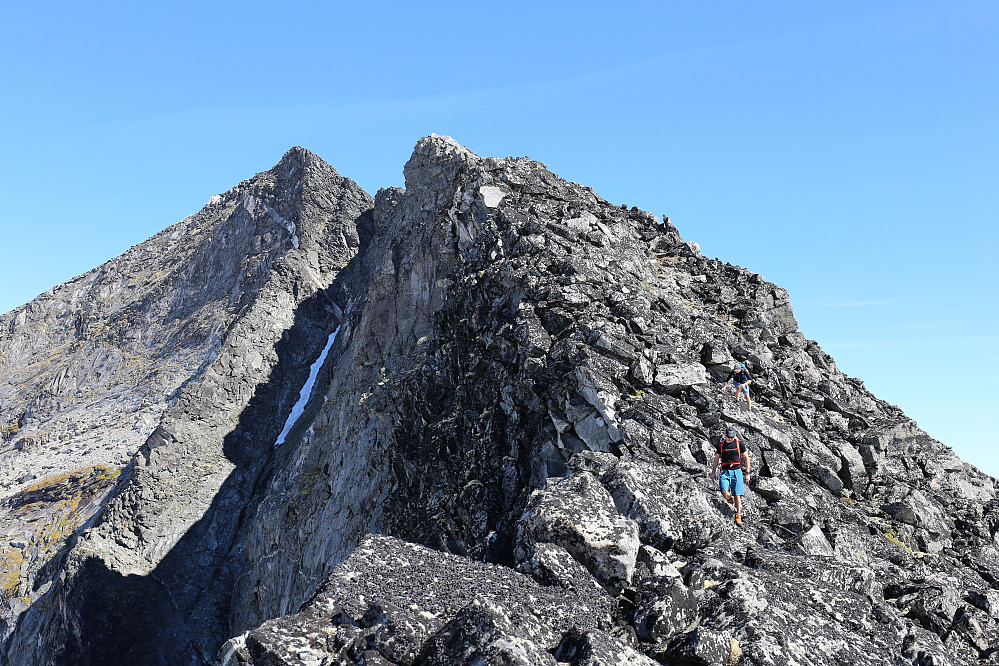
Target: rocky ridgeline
{"points": [[136, 377], [505, 460]]}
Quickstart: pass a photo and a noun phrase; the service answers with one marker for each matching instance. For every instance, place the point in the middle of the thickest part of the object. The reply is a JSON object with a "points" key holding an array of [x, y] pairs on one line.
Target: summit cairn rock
{"points": [[504, 457]]}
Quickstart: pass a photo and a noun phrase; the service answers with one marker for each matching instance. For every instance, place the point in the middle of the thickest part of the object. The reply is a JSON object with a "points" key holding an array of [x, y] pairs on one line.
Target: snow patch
{"points": [[306, 393]]}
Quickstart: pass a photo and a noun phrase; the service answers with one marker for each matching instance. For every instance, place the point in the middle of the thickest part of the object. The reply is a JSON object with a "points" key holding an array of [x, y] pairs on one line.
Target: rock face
{"points": [[181, 355], [504, 459]]}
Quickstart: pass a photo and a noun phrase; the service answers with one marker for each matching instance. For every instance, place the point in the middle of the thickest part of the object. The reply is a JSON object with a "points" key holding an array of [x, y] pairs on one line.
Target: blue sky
{"points": [[847, 151]]}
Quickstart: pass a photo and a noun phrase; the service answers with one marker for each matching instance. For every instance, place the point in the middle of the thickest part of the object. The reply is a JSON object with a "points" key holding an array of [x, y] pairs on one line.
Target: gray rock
{"points": [[923, 648], [408, 605], [672, 512], [596, 648], [915, 510], [550, 564], [773, 488], [669, 609], [499, 328], [483, 633], [643, 371], [675, 377], [195, 344], [988, 601], [934, 602], [700, 646], [657, 563], [717, 353], [814, 542], [578, 514], [592, 429]]}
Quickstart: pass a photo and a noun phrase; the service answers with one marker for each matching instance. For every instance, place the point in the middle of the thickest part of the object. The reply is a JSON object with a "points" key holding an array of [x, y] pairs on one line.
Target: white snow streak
{"points": [[303, 397]]}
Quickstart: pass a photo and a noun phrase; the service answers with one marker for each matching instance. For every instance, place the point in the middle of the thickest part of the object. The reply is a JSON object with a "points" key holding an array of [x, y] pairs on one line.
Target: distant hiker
{"points": [[733, 460], [741, 380]]}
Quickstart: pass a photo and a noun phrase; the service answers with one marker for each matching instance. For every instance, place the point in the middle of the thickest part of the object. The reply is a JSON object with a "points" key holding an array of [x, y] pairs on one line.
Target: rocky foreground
{"points": [[505, 458]]}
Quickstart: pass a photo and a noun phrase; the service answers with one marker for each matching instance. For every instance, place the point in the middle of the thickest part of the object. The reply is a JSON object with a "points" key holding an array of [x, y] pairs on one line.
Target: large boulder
{"points": [[578, 513], [666, 608], [483, 633], [597, 648], [672, 511]]}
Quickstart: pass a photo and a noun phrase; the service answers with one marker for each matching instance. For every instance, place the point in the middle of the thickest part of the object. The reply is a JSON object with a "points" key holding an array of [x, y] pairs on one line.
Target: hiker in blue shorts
{"points": [[733, 460], [741, 380]]}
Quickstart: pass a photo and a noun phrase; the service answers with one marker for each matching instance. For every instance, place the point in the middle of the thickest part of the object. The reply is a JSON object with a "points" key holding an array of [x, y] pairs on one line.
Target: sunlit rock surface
{"points": [[166, 370], [504, 459]]}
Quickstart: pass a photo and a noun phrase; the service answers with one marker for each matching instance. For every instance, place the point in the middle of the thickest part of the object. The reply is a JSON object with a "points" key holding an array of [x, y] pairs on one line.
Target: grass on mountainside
{"points": [[49, 510]]}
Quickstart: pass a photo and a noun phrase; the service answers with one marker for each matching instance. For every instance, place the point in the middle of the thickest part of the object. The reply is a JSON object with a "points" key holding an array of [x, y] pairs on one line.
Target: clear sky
{"points": [[847, 151]]}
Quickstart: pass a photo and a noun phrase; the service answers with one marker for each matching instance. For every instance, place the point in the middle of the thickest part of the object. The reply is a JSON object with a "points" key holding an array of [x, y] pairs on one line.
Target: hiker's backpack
{"points": [[738, 451]]}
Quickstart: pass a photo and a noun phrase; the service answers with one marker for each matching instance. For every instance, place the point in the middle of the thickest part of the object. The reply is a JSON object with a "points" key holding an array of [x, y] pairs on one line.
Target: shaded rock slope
{"points": [[503, 460]]}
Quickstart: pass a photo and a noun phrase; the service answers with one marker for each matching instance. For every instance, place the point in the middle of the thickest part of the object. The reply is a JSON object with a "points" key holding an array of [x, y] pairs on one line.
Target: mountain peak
{"points": [[525, 380], [297, 161], [437, 157]]}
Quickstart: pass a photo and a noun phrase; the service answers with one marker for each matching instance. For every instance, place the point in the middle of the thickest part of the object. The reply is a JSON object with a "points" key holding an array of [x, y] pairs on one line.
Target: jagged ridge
{"points": [[524, 375], [225, 307]]}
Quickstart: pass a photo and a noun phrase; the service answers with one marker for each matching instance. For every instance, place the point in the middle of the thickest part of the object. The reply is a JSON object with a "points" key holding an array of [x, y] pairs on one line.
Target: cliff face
{"points": [[152, 360], [504, 458]]}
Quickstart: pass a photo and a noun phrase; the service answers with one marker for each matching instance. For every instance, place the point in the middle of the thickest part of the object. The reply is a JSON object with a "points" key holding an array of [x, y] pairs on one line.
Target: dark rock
{"points": [[668, 609], [596, 648], [550, 564], [482, 633], [411, 605], [700, 646], [923, 648]]}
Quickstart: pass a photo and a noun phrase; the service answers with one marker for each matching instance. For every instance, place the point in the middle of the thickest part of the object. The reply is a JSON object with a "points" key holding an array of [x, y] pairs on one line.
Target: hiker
{"points": [[741, 380], [733, 460]]}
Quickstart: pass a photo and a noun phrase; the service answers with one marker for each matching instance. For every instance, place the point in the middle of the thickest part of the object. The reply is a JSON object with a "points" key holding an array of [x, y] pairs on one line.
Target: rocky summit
{"points": [[471, 421]]}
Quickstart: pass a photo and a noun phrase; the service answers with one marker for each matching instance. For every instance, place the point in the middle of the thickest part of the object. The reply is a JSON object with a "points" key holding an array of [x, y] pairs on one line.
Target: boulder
{"points": [[668, 608], [814, 542], [674, 377], [700, 646], [483, 633], [672, 512], [550, 564], [596, 648], [924, 648], [657, 563], [409, 604], [914, 509], [578, 514]]}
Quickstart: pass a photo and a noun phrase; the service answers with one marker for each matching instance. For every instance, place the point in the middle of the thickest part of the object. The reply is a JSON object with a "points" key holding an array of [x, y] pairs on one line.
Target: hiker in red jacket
{"points": [[734, 459]]}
